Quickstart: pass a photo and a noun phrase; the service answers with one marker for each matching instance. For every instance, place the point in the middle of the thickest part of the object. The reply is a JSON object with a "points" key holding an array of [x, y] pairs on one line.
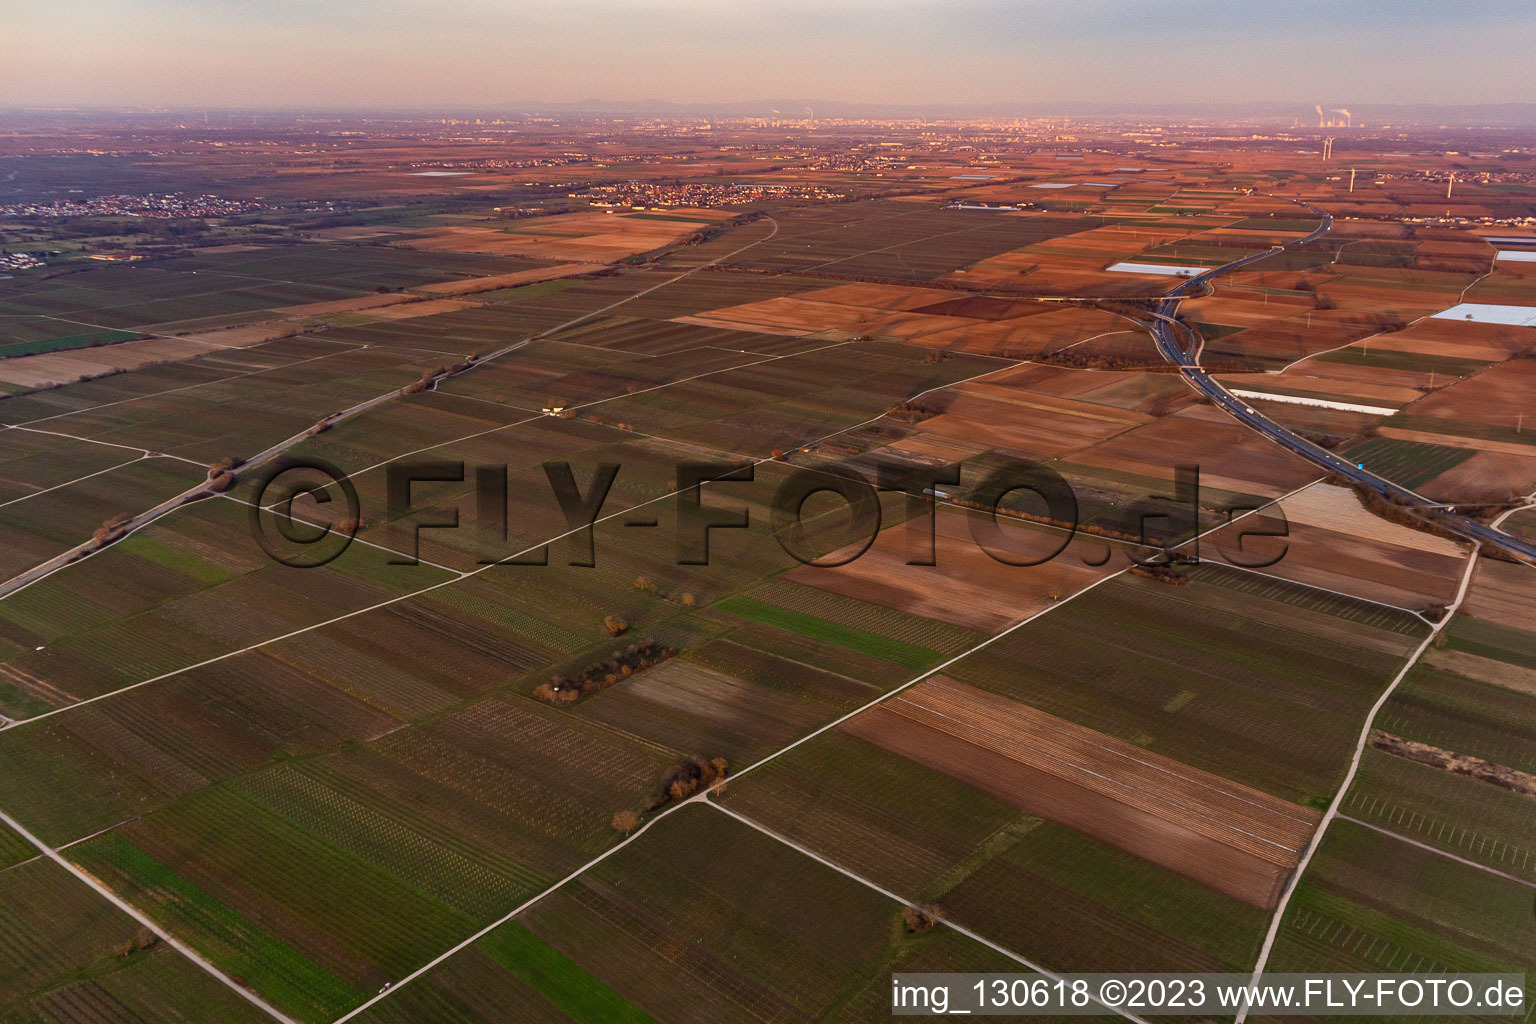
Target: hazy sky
{"points": [[349, 53]]}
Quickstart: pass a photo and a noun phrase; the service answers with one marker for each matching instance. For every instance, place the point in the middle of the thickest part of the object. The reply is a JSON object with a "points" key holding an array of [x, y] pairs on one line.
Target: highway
{"points": [[1165, 330]]}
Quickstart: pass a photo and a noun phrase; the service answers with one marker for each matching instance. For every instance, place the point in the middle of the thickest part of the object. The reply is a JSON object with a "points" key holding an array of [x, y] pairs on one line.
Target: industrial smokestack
{"points": [[1348, 120], [1321, 120]]}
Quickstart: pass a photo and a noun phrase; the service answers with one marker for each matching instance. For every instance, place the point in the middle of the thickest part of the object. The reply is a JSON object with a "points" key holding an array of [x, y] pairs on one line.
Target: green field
{"points": [[1409, 463], [65, 342], [904, 654]]}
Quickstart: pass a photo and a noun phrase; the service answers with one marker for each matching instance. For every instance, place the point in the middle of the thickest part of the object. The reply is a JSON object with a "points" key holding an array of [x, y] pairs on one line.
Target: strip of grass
{"points": [[182, 562], [668, 216], [1410, 463], [522, 293], [1388, 359], [564, 983], [1216, 330], [28, 348], [907, 655]]}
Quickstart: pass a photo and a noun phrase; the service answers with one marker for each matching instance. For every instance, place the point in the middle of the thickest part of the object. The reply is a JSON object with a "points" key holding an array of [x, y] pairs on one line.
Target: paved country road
{"points": [[1165, 331]]}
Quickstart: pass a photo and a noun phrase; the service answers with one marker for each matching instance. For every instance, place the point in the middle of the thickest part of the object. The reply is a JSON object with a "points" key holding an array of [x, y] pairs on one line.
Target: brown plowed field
{"points": [[1457, 339], [1335, 544], [1501, 593], [1236, 840], [796, 315], [1495, 396], [1028, 336], [1296, 336], [1243, 312], [1302, 379], [966, 586], [1230, 456], [1004, 417], [584, 236], [533, 275], [1490, 476]]}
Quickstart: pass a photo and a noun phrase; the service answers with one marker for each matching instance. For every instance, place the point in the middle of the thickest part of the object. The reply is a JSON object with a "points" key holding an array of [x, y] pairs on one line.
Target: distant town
{"points": [[167, 206]]}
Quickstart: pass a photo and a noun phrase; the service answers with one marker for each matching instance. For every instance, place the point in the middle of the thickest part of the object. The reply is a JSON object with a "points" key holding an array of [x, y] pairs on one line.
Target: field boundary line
{"points": [[1435, 849], [1349, 777], [143, 919], [962, 929]]}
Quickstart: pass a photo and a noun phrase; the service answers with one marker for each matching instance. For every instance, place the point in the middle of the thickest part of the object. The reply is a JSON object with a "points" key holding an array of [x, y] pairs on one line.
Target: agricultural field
{"points": [[1230, 838], [1332, 542], [554, 730]]}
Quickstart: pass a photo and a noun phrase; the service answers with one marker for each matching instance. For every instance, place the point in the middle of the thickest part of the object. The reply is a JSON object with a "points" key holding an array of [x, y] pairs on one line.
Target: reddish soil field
{"points": [[814, 311], [1230, 456], [1243, 311], [900, 298], [1000, 416], [1486, 476], [1335, 544], [1459, 340], [1495, 396], [1029, 336], [1152, 394], [483, 284], [587, 236], [1295, 337], [1368, 229], [1324, 370], [1501, 593], [1236, 840], [966, 587], [1400, 292]]}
